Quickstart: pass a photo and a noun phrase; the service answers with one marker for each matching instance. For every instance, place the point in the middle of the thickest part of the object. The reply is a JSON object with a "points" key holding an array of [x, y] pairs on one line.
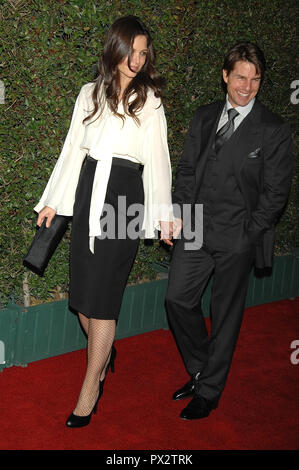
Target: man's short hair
{"points": [[245, 51]]}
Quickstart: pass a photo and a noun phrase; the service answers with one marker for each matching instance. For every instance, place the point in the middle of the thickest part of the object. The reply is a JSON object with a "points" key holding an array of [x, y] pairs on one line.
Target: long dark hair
{"points": [[118, 46]]}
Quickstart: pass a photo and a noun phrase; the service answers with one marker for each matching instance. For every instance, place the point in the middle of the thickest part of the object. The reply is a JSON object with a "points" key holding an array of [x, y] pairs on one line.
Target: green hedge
{"points": [[48, 51]]}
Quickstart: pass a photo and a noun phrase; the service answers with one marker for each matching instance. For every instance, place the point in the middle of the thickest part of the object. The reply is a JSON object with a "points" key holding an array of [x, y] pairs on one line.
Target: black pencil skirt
{"points": [[98, 280]]}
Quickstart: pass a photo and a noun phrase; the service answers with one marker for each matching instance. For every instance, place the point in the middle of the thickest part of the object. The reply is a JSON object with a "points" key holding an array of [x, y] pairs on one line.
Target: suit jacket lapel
{"points": [[249, 132], [246, 138], [239, 145], [207, 137]]}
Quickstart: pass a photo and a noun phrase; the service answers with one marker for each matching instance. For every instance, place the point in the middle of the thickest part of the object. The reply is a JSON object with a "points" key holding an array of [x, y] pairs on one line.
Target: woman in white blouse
{"points": [[115, 155]]}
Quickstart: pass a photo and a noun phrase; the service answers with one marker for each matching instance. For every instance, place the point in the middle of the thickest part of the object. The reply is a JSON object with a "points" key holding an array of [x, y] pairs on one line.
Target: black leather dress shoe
{"points": [[188, 389], [199, 407], [185, 392]]}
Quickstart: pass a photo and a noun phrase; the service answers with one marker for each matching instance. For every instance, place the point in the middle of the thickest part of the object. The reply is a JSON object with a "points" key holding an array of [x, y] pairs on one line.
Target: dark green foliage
{"points": [[49, 49]]}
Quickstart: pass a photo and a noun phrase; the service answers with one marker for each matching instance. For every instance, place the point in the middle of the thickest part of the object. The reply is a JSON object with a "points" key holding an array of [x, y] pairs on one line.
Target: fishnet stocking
{"points": [[100, 334]]}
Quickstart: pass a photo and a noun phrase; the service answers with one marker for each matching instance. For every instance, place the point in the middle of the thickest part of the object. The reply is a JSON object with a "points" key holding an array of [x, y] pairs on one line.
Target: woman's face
{"points": [[138, 59]]}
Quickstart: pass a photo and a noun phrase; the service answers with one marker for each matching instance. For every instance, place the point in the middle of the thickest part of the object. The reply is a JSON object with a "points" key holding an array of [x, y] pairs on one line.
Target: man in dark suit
{"points": [[237, 163]]}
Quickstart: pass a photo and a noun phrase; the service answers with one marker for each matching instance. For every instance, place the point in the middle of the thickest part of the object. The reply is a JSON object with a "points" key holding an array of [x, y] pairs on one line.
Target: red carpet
{"points": [[258, 409]]}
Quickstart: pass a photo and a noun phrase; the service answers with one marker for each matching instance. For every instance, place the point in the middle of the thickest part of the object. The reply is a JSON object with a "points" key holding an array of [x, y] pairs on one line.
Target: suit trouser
{"points": [[189, 274]]}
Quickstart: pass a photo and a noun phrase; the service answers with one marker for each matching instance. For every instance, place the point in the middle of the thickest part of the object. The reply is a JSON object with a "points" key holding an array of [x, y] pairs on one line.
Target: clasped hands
{"points": [[170, 230]]}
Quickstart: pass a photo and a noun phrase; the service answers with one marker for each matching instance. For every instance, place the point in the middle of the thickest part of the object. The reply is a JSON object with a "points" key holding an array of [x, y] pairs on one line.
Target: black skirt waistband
{"points": [[122, 162]]}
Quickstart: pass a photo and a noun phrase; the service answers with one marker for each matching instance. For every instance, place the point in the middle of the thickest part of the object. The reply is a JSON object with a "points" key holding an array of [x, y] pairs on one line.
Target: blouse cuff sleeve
{"points": [[58, 193], [157, 174]]}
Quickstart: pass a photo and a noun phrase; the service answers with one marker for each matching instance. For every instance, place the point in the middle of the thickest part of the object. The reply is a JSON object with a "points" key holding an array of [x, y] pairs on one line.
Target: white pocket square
{"points": [[255, 153]]}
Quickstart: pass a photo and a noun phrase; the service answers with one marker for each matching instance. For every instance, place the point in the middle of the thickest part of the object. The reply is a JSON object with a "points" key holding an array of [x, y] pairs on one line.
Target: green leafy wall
{"points": [[49, 50]]}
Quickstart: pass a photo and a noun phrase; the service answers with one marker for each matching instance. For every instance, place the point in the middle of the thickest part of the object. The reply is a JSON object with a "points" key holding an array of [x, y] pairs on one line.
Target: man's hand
{"points": [[47, 212]]}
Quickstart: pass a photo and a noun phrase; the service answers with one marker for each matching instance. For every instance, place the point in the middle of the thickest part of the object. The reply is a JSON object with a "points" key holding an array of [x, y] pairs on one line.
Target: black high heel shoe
{"points": [[75, 421]]}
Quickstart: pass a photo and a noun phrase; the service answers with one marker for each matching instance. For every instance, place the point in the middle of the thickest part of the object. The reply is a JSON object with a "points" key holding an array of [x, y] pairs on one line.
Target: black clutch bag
{"points": [[45, 243]]}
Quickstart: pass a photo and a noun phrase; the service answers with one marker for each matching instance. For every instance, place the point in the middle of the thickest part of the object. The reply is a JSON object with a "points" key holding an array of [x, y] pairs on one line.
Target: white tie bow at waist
{"points": [[103, 154]]}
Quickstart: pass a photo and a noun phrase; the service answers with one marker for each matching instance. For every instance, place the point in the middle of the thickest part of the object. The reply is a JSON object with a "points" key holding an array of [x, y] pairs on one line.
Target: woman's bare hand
{"points": [[166, 232], [177, 227], [48, 213]]}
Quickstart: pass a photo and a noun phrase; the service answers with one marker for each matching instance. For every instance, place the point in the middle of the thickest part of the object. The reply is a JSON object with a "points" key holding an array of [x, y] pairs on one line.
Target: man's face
{"points": [[242, 82]]}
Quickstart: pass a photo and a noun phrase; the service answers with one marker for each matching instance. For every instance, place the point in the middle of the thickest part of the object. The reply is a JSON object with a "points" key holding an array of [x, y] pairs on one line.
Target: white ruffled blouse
{"points": [[104, 138]]}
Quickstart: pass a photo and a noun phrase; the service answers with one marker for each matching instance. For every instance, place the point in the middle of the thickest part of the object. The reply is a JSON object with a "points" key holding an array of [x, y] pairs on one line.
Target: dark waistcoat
{"points": [[224, 210]]}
